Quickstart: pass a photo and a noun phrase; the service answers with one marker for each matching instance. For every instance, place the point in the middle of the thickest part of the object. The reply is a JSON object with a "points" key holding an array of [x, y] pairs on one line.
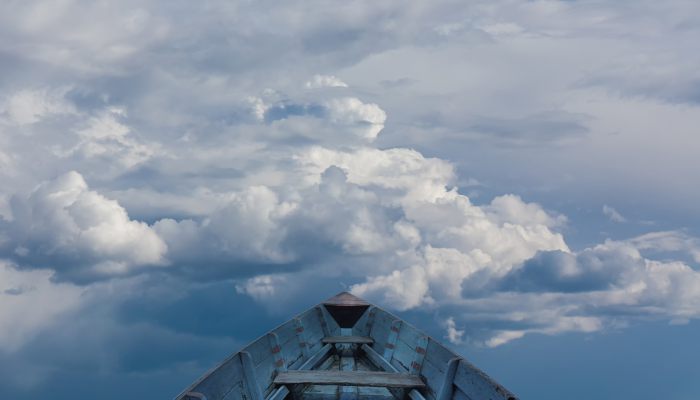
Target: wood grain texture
{"points": [[348, 339], [349, 378]]}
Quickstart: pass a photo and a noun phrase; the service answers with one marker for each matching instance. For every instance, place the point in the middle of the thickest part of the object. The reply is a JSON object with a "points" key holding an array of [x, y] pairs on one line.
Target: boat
{"points": [[345, 349]]}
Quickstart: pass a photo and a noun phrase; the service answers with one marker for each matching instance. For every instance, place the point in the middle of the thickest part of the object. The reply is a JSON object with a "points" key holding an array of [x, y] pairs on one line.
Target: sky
{"points": [[517, 178]]}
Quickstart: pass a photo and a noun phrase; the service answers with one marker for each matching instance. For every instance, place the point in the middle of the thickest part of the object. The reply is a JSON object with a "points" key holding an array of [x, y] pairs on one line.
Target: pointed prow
{"points": [[346, 308]]}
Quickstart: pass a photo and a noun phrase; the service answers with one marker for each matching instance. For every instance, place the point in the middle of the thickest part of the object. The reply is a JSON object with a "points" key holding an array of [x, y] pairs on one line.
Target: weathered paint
{"points": [[355, 378], [313, 344]]}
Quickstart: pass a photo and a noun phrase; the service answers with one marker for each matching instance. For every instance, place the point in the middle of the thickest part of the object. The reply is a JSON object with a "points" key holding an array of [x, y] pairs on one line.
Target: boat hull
{"points": [[364, 361]]}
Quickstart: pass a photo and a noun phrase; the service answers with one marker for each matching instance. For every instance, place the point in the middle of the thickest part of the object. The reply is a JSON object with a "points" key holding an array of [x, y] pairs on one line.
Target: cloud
{"points": [[220, 173], [65, 226], [105, 136], [30, 303], [454, 335], [30, 106], [669, 242], [588, 291], [321, 81], [612, 214]]}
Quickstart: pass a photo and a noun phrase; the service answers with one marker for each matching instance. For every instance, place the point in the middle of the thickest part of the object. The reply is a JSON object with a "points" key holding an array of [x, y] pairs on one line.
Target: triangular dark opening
{"points": [[346, 316]]}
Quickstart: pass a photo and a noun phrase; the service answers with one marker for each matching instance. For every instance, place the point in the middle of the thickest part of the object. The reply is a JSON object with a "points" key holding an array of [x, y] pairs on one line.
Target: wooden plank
{"points": [[391, 340], [312, 328], [330, 327], [279, 394], [476, 384], [447, 386], [438, 355], [349, 378], [220, 381], [415, 395], [348, 339], [433, 379], [381, 363], [251, 380], [419, 354], [364, 323], [259, 350], [276, 351], [317, 358], [288, 341], [376, 359], [347, 363], [301, 337], [459, 395], [365, 393]]}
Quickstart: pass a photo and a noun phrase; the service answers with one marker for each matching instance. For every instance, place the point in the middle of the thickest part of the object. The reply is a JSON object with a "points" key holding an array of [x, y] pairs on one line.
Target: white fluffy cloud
{"points": [[79, 233], [414, 239]]}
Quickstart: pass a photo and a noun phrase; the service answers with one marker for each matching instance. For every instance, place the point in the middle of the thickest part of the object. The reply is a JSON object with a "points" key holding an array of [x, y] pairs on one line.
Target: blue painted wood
{"points": [[348, 339], [347, 363], [259, 349], [250, 374], [312, 328], [376, 359], [447, 386], [419, 354], [459, 395], [322, 320], [381, 327], [276, 351], [265, 372], [279, 394], [317, 358], [226, 377], [390, 344], [477, 385], [438, 355], [301, 335], [288, 341], [250, 377], [331, 327], [433, 380], [415, 395], [350, 378], [363, 324], [381, 363]]}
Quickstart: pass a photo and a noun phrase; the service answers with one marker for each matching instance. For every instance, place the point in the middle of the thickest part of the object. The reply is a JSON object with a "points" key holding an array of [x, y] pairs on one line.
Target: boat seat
{"points": [[348, 339], [349, 378]]}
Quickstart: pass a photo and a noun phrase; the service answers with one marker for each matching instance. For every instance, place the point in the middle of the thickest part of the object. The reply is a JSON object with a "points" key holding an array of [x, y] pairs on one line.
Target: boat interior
{"points": [[345, 348]]}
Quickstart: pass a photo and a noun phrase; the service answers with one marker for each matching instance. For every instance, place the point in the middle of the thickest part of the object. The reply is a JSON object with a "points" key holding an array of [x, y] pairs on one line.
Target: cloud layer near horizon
{"points": [[146, 159]]}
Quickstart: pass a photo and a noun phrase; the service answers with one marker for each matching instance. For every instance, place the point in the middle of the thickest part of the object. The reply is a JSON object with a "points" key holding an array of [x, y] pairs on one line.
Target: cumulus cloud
{"points": [[333, 121], [600, 287], [415, 241], [65, 226]]}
